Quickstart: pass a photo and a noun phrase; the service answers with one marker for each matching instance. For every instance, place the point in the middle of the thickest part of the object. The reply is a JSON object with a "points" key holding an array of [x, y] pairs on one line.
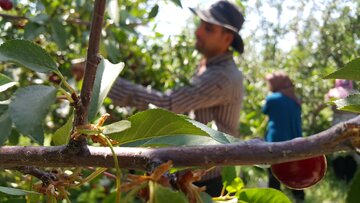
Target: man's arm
{"points": [[210, 89]]}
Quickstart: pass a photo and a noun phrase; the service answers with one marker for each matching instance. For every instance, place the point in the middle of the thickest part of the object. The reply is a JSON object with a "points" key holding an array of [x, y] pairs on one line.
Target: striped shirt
{"points": [[214, 95]]}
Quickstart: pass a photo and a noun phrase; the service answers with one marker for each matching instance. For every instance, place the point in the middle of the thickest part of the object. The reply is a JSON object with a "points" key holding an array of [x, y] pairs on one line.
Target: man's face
{"points": [[212, 39]]}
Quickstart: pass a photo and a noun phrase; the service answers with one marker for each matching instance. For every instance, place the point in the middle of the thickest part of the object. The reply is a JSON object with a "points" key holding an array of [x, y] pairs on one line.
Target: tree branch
{"points": [[342, 137], [92, 61], [45, 177]]}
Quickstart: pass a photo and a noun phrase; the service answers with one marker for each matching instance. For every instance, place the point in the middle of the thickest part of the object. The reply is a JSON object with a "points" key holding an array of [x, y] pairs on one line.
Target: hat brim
{"points": [[206, 16]]}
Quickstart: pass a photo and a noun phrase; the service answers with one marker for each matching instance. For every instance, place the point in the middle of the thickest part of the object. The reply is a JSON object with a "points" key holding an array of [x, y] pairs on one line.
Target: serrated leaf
{"points": [[5, 82], [106, 75], [350, 103], [29, 107], [62, 135], [216, 137], [5, 127], [27, 54], [267, 195], [353, 194], [116, 127], [177, 2], [165, 195], [15, 191], [155, 123], [113, 9], [351, 71], [154, 11], [59, 34]]}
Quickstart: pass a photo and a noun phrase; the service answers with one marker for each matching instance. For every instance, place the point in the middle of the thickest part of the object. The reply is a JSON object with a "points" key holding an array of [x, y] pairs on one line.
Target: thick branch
{"points": [[344, 136]]}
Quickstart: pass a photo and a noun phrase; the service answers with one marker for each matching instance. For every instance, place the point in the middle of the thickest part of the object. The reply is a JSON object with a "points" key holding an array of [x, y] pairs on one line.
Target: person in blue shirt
{"points": [[283, 109]]}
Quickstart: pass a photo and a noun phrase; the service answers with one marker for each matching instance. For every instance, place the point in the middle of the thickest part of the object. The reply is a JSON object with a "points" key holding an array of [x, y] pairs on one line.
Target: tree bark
{"points": [[92, 61], [342, 137]]}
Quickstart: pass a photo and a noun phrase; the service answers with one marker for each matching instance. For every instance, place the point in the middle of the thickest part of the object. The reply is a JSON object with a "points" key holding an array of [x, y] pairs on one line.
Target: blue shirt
{"points": [[284, 118]]}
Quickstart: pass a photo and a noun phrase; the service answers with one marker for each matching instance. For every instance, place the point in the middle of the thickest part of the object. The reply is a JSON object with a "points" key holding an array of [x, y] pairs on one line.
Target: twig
{"points": [[342, 137], [45, 177], [92, 61]]}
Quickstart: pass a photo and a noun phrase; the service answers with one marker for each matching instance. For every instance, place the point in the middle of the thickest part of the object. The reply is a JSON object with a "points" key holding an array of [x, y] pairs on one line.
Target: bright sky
{"points": [[172, 19]]}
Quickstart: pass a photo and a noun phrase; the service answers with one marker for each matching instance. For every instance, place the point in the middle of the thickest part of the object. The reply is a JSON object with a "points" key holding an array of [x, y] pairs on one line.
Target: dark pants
{"points": [[274, 183], [213, 186]]}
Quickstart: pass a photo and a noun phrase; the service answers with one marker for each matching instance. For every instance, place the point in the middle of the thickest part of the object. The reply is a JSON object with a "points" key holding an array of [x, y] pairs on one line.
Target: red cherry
{"points": [[302, 173], [6, 4]]}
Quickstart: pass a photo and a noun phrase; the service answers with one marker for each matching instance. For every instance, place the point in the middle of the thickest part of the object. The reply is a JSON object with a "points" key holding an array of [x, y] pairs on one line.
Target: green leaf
{"points": [[228, 174], [350, 103], [267, 195], [216, 137], [5, 127], [27, 54], [177, 2], [33, 30], [235, 186], [116, 127], [14, 137], [37, 134], [62, 135], [4, 105], [353, 195], [154, 11], [351, 71], [106, 75], [29, 107], [110, 50], [220, 137], [205, 197], [59, 34], [173, 140], [41, 18], [113, 9], [155, 123], [5, 82], [165, 195], [15, 191]]}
